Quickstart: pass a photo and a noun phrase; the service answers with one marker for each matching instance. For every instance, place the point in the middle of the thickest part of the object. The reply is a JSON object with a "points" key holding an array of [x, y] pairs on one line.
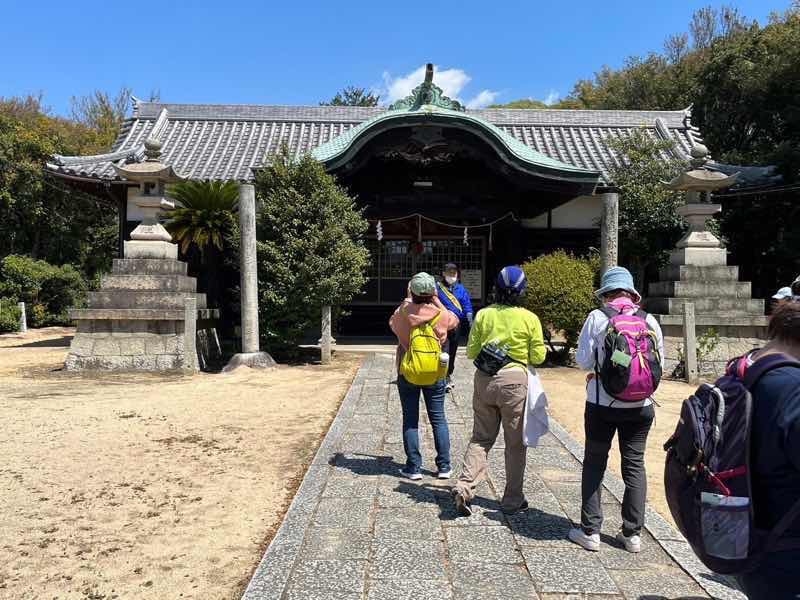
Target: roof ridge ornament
{"points": [[427, 93]]}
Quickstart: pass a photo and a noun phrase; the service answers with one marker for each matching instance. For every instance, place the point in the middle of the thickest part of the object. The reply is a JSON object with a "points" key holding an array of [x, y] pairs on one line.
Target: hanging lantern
{"points": [[379, 231], [466, 236]]}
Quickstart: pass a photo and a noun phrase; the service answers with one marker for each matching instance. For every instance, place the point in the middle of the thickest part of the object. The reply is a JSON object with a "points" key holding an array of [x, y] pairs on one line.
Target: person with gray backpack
{"points": [[732, 474]]}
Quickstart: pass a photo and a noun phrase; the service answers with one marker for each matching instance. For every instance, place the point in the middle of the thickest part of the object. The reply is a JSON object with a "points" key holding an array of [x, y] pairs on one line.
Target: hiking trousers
{"points": [[496, 401], [631, 426]]}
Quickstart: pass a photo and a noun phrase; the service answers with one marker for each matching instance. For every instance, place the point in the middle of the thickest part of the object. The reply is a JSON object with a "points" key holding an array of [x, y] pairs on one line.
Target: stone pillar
{"points": [[249, 267], [250, 356], [23, 319], [327, 338], [190, 362], [689, 343], [609, 231]]}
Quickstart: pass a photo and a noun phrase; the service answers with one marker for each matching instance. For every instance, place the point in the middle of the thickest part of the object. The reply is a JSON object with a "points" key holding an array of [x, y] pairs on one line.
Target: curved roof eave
{"points": [[340, 150]]}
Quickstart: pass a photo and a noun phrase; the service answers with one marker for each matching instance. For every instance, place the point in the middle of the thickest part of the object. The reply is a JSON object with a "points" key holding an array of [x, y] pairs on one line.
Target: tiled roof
{"points": [[211, 141]]}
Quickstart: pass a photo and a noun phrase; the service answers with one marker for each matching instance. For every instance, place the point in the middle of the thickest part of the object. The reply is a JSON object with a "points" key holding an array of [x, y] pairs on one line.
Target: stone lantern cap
{"points": [[151, 169], [700, 178]]}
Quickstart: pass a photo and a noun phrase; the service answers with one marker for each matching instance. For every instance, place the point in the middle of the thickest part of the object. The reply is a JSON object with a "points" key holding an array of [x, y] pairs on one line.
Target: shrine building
{"points": [[438, 183]]}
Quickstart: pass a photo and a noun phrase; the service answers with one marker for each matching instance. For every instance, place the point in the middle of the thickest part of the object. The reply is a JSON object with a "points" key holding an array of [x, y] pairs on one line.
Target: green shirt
{"points": [[514, 326]]}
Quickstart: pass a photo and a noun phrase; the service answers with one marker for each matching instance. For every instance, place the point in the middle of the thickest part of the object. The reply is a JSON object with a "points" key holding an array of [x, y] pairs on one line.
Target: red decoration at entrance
{"points": [[417, 248]]}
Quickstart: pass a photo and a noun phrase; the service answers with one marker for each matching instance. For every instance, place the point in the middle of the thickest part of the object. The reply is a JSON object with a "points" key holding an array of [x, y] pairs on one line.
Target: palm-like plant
{"points": [[204, 214], [201, 219]]}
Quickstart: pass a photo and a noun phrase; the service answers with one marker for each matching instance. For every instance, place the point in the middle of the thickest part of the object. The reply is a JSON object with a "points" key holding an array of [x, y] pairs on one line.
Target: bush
{"points": [[9, 315], [560, 292], [310, 249], [46, 289]]}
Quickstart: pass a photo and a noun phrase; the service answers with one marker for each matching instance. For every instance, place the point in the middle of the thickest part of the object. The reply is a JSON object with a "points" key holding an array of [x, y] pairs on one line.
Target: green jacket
{"points": [[514, 326]]}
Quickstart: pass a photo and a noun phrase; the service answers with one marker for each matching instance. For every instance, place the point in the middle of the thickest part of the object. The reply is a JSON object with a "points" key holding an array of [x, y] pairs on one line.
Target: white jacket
{"points": [[591, 339]]}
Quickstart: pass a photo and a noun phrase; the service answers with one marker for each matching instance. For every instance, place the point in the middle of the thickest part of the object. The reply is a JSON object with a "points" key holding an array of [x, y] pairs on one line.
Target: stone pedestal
{"points": [[138, 320]]}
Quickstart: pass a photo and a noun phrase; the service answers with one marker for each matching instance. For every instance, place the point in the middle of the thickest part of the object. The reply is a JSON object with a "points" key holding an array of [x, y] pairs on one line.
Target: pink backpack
{"points": [[631, 368]]}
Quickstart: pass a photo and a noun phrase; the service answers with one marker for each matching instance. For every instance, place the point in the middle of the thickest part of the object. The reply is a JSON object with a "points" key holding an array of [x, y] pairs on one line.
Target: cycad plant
{"points": [[201, 219]]}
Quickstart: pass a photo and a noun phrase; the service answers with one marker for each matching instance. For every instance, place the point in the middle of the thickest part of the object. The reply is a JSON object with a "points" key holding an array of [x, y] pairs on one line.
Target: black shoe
{"points": [[462, 506], [521, 508]]}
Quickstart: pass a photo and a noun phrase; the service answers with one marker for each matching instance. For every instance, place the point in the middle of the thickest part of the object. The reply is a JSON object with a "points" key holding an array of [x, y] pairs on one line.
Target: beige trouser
{"points": [[496, 400]]}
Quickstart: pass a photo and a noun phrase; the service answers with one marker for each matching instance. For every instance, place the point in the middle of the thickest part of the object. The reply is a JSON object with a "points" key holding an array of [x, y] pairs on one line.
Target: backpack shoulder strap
{"points": [[774, 543], [762, 366], [641, 314], [608, 311]]}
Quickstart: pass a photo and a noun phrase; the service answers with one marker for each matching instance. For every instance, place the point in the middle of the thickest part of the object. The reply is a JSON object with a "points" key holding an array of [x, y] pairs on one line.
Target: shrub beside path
{"points": [[356, 531]]}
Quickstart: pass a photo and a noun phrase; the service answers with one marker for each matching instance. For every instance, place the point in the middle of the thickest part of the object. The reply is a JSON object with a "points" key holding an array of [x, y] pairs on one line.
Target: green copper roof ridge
{"points": [[338, 146]]}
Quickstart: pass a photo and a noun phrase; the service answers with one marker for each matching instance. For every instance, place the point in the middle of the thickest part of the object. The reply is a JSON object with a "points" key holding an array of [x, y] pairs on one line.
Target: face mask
{"points": [[450, 279]]}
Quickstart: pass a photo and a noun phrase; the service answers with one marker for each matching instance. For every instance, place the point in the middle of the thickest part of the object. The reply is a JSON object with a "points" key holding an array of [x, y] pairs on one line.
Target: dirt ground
{"points": [[566, 392], [139, 486]]}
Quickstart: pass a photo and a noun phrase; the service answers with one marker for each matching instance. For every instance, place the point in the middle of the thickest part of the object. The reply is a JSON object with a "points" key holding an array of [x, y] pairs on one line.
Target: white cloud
{"points": [[452, 81], [552, 97], [483, 99]]}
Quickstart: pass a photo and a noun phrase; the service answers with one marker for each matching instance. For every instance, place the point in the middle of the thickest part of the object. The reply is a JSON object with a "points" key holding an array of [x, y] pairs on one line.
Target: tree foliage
{"points": [[522, 103], [310, 248], [648, 222], [353, 96], [560, 293]]}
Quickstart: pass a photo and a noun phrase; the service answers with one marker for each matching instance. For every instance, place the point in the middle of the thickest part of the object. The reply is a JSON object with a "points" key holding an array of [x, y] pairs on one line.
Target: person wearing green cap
{"points": [[422, 318]]}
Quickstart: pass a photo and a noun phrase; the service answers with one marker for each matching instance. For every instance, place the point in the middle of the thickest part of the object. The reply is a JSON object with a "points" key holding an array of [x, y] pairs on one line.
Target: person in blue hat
{"points": [[505, 339], [606, 415], [455, 298]]}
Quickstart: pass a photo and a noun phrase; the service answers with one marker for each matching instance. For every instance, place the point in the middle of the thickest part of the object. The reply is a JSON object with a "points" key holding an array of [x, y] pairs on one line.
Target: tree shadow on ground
{"points": [[366, 464]]}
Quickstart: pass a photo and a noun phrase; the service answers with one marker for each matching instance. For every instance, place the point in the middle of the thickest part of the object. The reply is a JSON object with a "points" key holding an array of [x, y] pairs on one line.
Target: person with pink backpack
{"points": [[623, 347]]}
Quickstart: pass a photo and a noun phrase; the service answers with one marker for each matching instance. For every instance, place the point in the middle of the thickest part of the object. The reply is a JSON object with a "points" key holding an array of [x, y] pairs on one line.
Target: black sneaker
{"points": [[462, 506], [521, 508]]}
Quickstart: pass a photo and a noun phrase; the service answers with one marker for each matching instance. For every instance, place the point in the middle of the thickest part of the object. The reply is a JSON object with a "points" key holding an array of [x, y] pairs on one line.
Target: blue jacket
{"points": [[461, 294]]}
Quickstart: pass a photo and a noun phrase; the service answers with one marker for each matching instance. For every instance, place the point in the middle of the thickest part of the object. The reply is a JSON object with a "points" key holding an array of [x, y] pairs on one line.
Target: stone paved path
{"points": [[356, 531]]}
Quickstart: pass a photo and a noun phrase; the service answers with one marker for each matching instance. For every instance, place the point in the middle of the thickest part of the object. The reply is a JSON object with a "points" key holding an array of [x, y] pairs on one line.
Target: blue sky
{"points": [[293, 52]]}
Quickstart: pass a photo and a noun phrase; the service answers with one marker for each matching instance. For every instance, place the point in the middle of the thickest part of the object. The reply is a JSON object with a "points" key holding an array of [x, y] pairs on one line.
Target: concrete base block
{"points": [[150, 249], [254, 360], [699, 257]]}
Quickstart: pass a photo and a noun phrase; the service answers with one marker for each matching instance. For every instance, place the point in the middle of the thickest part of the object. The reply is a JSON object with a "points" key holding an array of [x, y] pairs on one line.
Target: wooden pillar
{"points": [[609, 231]]}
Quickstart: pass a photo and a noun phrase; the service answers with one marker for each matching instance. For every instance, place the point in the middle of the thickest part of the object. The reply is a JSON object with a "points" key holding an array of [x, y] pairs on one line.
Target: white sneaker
{"points": [[588, 542], [445, 474], [411, 476], [632, 544], [449, 385]]}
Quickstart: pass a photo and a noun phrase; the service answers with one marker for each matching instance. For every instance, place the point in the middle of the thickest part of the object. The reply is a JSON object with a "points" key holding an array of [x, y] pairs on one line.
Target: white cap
{"points": [[783, 293]]}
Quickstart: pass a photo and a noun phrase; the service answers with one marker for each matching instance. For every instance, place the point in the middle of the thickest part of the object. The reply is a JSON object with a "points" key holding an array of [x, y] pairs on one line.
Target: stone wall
{"points": [[733, 341], [128, 346]]}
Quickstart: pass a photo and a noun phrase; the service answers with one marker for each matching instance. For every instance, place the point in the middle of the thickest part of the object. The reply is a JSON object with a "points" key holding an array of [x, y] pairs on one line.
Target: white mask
{"points": [[450, 279]]}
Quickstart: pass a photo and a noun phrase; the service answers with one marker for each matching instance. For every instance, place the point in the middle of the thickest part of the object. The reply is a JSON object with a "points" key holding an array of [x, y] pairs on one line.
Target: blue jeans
{"points": [[434, 404]]}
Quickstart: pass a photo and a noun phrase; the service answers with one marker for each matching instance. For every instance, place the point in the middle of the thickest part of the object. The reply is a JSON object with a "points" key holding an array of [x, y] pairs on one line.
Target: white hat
{"points": [[783, 293]]}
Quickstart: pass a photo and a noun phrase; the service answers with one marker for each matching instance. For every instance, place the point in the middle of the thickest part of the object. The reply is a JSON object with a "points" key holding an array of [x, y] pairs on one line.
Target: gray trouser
{"points": [[496, 401], [632, 426]]}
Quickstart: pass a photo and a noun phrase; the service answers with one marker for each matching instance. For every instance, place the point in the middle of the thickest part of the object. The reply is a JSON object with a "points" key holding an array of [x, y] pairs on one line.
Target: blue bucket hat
{"points": [[617, 278]]}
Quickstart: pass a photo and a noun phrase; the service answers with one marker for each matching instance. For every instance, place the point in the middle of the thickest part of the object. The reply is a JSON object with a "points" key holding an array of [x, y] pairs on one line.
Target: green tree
{"points": [[522, 103], [201, 221], [648, 222], [353, 96], [311, 251]]}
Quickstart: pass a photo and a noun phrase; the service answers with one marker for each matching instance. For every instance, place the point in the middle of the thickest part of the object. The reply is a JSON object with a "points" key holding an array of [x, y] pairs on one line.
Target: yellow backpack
{"points": [[420, 364]]}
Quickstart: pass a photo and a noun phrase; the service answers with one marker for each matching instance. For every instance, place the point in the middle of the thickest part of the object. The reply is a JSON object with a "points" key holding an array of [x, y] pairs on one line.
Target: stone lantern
{"points": [[698, 273], [147, 314], [150, 239]]}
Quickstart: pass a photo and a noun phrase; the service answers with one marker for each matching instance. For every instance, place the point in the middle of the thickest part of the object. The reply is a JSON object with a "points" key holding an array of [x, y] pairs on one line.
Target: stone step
{"points": [[692, 272], [148, 266], [141, 299], [698, 288], [734, 307], [164, 283]]}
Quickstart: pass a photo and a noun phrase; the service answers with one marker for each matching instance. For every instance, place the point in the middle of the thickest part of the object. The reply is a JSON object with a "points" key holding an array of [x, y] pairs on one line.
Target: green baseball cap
{"points": [[423, 284]]}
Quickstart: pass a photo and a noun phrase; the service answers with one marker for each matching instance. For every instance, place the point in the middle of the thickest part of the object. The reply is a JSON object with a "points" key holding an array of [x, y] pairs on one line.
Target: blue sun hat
{"points": [[617, 278]]}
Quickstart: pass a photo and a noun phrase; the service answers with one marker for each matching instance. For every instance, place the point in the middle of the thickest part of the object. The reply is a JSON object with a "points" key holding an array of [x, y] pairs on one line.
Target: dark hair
{"points": [[616, 294], [784, 324], [421, 299], [508, 297]]}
